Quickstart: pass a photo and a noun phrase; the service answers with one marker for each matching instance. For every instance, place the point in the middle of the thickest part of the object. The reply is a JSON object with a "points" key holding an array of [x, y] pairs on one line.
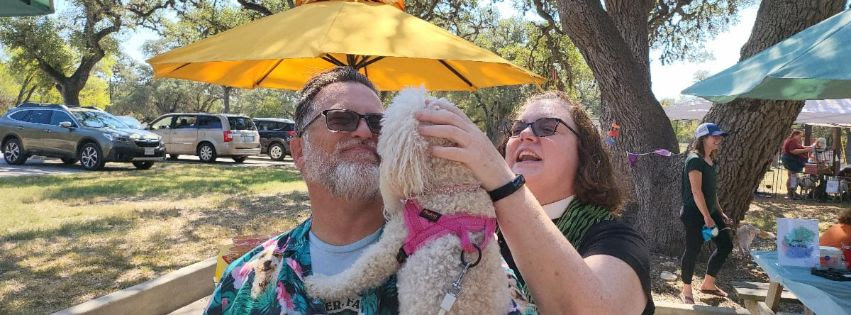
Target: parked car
{"points": [[209, 136], [131, 121], [84, 134], [275, 134]]}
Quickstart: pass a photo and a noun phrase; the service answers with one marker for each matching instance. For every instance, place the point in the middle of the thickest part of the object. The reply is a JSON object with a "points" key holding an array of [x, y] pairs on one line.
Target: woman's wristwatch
{"points": [[507, 189]]}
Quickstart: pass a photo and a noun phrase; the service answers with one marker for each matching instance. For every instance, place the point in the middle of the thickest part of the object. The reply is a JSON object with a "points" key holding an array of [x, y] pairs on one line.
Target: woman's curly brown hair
{"points": [[595, 177], [845, 217]]}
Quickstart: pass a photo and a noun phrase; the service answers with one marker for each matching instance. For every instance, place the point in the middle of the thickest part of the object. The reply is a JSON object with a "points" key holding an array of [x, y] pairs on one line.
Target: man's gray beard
{"points": [[349, 180]]}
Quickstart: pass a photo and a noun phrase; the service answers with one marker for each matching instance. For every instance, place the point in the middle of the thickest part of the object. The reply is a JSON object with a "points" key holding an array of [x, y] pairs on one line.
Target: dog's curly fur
{"points": [[408, 169]]}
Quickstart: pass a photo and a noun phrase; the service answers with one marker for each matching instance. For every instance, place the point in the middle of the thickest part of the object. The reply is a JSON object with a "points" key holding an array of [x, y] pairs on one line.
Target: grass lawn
{"points": [[67, 239]]}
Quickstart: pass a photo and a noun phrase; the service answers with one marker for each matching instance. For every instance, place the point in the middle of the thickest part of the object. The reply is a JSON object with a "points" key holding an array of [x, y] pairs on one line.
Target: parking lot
{"points": [[49, 166]]}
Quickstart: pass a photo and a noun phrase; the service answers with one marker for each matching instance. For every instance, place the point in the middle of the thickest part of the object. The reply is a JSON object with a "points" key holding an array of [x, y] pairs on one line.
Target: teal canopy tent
{"points": [[25, 7], [811, 65]]}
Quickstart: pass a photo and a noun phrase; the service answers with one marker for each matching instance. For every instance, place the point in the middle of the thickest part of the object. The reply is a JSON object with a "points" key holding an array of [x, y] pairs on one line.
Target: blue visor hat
{"points": [[709, 129]]}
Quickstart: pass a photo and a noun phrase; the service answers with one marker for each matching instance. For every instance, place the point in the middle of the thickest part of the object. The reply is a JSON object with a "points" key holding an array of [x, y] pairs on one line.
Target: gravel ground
{"points": [[762, 214]]}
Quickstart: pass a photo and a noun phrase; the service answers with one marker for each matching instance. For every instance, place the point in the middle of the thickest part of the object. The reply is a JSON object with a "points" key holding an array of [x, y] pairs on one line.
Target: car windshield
{"points": [[130, 122], [96, 119]]}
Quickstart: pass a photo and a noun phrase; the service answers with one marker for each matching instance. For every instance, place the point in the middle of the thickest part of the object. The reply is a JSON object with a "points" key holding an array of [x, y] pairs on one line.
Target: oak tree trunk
{"points": [[614, 43], [226, 99], [757, 128]]}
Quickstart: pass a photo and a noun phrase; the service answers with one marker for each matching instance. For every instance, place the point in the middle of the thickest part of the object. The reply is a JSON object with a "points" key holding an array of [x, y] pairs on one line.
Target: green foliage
{"points": [[265, 103], [34, 40], [684, 130], [66, 47], [8, 88], [679, 28]]}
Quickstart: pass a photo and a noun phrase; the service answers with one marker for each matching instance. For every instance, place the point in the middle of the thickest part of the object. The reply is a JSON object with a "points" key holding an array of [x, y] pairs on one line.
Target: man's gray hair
{"points": [[305, 108]]}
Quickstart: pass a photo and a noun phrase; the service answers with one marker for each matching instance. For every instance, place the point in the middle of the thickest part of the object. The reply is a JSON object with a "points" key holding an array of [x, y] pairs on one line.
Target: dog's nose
{"points": [[267, 265]]}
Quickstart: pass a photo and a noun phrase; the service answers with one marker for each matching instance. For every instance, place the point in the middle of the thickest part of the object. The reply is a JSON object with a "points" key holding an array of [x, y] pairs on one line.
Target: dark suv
{"points": [[84, 134], [275, 134]]}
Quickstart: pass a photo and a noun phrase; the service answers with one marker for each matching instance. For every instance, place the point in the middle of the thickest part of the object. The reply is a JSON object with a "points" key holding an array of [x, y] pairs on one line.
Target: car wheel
{"points": [[68, 161], [91, 156], [173, 157], [239, 159], [207, 152], [14, 153], [143, 165], [277, 151]]}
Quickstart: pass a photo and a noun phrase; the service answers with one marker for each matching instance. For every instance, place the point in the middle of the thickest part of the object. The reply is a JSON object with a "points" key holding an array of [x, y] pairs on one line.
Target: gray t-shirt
{"points": [[327, 259]]}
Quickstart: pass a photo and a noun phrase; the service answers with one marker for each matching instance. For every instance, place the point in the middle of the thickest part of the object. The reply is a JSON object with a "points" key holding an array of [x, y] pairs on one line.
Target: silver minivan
{"points": [[209, 136]]}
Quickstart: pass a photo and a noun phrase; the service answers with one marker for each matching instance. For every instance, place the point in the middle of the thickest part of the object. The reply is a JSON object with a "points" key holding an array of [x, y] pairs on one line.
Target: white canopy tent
{"points": [[816, 112], [827, 113]]}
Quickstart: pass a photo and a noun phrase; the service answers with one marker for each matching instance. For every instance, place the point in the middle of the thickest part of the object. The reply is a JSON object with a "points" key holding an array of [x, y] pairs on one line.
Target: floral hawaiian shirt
{"points": [[287, 295]]}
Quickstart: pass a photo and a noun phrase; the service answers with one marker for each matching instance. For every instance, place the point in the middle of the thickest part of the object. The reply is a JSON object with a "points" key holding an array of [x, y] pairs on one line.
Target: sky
{"points": [[668, 80]]}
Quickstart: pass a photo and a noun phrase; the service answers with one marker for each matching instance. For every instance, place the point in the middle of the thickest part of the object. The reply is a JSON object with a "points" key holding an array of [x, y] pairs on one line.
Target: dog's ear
{"points": [[405, 156]]}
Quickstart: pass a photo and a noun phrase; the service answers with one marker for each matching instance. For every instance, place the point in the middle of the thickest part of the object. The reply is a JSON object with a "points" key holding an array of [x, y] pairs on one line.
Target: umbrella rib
{"points": [[257, 83], [333, 60], [367, 61], [456, 72], [181, 67]]}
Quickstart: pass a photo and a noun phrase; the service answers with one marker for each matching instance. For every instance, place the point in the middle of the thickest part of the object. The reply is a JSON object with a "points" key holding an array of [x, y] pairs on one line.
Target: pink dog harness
{"points": [[425, 225]]}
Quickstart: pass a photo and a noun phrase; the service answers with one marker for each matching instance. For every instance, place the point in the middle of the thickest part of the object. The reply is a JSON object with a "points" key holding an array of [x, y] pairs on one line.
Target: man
{"points": [[337, 118], [338, 121]]}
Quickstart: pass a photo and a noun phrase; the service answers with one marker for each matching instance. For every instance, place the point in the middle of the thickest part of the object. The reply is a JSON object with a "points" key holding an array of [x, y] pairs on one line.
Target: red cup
{"points": [[846, 251]]}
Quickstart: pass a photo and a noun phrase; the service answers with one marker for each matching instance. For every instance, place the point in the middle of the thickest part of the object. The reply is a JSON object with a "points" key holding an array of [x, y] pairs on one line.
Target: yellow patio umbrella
{"points": [[394, 49]]}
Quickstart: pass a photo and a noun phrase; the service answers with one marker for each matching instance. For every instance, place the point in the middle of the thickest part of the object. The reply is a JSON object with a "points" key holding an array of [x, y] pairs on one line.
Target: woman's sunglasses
{"points": [[346, 120], [543, 127]]}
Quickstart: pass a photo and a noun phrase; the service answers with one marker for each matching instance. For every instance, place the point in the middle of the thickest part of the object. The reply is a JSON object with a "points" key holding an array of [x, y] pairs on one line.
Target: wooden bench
{"points": [[754, 294], [668, 308]]}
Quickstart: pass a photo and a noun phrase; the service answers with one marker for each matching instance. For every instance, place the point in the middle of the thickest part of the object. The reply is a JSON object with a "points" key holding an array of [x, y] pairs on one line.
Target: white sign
{"points": [[832, 186], [797, 242]]}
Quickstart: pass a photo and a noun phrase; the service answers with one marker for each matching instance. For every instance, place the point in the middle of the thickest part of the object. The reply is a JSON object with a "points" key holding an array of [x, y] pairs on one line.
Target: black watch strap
{"points": [[507, 189]]}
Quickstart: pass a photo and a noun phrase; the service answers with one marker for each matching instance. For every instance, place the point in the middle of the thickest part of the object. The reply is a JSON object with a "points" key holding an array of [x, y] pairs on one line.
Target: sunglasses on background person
{"points": [[346, 120], [543, 127]]}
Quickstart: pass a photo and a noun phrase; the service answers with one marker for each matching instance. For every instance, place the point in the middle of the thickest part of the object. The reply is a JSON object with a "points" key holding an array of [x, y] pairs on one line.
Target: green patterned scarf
{"points": [[578, 218]]}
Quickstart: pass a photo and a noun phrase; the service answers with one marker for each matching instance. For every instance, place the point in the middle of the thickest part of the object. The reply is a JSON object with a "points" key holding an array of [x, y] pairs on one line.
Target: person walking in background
{"points": [[794, 157], [701, 209]]}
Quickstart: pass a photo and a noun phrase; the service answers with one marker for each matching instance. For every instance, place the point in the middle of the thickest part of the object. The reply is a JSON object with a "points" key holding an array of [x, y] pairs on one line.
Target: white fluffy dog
{"points": [[448, 190]]}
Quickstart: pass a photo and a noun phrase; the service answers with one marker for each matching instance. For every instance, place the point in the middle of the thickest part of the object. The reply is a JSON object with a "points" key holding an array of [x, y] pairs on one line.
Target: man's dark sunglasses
{"points": [[346, 120], [543, 127]]}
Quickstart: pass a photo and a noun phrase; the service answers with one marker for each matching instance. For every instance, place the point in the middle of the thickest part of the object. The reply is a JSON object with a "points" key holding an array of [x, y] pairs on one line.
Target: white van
{"points": [[209, 136]]}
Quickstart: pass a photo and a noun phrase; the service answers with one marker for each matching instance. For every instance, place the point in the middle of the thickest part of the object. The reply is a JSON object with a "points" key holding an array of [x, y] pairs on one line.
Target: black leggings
{"points": [[694, 241]]}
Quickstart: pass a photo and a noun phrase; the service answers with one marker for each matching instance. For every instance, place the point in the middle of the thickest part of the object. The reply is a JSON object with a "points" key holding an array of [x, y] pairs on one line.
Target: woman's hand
{"points": [[442, 119], [708, 221], [726, 219]]}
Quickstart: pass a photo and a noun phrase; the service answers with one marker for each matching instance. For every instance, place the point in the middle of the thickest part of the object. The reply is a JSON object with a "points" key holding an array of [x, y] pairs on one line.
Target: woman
{"points": [[573, 256], [701, 209], [839, 233], [794, 157]]}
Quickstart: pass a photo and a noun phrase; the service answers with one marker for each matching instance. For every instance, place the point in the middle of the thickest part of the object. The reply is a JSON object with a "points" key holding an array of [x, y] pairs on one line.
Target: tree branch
{"points": [[247, 4], [542, 12]]}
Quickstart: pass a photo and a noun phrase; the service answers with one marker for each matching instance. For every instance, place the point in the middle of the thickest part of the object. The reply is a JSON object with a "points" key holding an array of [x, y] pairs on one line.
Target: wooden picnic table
{"points": [[819, 295]]}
